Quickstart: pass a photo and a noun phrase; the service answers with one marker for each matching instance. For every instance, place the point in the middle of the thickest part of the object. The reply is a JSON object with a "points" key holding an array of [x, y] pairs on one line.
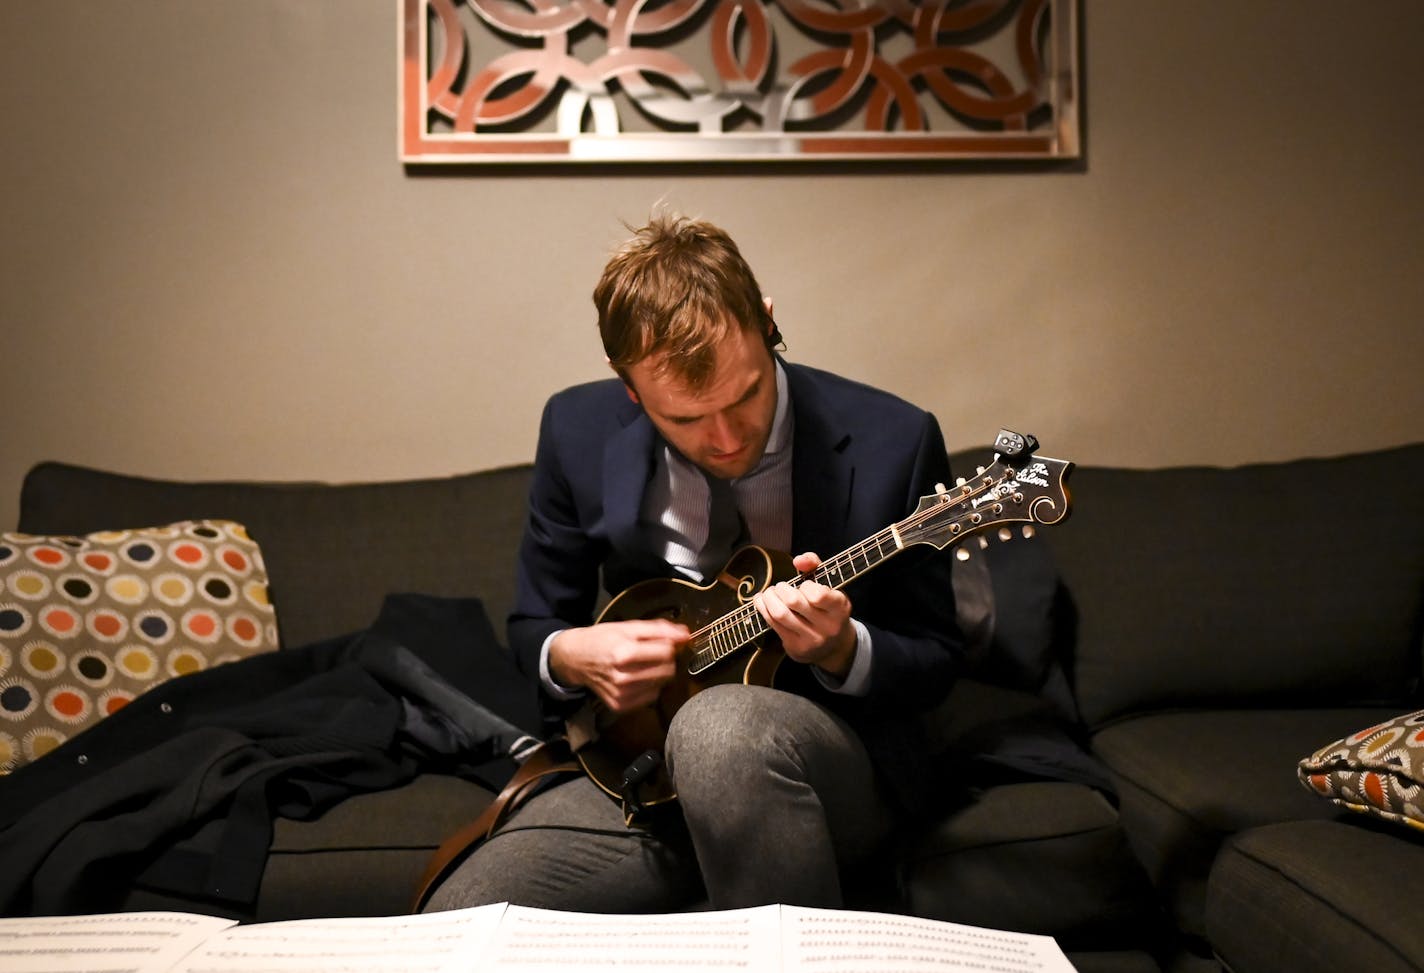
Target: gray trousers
{"points": [[776, 796]]}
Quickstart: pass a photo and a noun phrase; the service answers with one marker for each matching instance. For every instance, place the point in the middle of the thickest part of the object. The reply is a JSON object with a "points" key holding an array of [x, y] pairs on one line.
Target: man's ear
{"points": [[631, 394], [773, 333]]}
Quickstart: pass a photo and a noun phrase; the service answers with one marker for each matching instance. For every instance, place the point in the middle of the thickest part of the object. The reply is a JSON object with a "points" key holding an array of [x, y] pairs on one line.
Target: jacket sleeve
{"points": [[908, 606], [558, 568]]}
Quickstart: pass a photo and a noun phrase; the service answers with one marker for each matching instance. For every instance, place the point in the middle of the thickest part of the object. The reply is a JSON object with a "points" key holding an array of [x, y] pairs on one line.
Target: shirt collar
{"points": [[780, 436]]}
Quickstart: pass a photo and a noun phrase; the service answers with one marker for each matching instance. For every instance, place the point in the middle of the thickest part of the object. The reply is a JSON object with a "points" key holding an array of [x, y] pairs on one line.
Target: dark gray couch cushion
{"points": [[1042, 857], [368, 853], [985, 733], [1123, 961], [1319, 897], [1189, 780], [333, 552], [1297, 583]]}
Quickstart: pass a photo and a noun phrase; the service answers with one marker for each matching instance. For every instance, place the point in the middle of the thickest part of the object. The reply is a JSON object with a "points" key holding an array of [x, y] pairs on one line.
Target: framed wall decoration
{"points": [[760, 80]]}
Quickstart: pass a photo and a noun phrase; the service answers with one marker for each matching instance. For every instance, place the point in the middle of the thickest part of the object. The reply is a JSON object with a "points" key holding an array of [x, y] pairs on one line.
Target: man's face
{"points": [[723, 427]]}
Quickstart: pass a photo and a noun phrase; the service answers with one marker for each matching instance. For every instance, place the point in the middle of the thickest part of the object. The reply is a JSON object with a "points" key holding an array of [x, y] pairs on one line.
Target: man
{"points": [[779, 790]]}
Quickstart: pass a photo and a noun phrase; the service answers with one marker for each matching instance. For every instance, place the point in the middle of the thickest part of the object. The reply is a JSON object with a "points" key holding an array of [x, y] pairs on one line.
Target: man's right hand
{"points": [[625, 664]]}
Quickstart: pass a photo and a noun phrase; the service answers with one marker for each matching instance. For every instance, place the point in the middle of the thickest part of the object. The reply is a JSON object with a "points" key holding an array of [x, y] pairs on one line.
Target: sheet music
{"points": [[826, 941], [503, 938], [539, 941], [429, 943], [128, 941]]}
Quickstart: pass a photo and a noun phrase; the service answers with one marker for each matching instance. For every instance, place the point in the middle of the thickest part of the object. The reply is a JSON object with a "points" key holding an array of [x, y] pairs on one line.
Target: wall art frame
{"points": [[628, 81]]}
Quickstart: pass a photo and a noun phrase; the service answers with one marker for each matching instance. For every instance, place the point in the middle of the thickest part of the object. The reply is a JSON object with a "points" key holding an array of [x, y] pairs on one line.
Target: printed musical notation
{"points": [[512, 939]]}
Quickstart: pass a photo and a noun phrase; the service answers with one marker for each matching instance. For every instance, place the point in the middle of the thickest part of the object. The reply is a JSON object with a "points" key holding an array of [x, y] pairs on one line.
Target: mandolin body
{"points": [[616, 740]]}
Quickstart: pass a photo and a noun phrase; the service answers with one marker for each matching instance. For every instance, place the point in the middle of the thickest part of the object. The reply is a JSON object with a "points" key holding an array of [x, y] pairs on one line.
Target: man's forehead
{"points": [[672, 386], [734, 376]]}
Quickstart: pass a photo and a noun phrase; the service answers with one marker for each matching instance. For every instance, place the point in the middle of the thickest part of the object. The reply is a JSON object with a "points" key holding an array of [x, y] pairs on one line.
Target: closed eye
{"points": [[747, 396]]}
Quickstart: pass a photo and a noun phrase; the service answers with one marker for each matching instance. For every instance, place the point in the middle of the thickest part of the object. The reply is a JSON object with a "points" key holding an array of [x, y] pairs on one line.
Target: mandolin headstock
{"points": [[1020, 487]]}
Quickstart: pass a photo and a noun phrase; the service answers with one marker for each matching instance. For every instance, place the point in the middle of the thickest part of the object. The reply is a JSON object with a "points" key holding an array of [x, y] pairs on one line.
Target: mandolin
{"points": [[731, 642]]}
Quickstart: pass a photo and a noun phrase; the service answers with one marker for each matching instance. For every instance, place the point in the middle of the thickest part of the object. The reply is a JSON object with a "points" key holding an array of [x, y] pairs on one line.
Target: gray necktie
{"points": [[725, 528]]}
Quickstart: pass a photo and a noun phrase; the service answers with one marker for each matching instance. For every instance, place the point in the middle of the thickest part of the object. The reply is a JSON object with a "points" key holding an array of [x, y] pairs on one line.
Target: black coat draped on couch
{"points": [[177, 791]]}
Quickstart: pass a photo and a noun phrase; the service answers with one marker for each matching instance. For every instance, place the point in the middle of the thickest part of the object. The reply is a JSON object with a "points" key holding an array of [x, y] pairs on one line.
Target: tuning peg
{"points": [[961, 554], [960, 482], [983, 543], [979, 470], [1005, 534], [1028, 531], [940, 489]]}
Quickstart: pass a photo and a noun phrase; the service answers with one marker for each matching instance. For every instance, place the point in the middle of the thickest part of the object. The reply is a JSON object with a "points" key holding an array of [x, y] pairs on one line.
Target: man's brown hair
{"points": [[677, 287]]}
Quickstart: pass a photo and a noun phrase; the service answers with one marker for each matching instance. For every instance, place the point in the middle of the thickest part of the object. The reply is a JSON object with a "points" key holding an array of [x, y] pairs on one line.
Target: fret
{"points": [[853, 569], [751, 626], [889, 537], [744, 625]]}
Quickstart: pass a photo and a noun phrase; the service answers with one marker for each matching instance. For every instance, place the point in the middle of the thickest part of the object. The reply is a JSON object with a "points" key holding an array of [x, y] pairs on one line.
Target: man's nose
{"points": [[725, 436]]}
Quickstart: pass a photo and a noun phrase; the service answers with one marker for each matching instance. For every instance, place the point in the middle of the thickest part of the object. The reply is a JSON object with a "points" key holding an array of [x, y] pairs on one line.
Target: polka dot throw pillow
{"points": [[1377, 771], [89, 623]]}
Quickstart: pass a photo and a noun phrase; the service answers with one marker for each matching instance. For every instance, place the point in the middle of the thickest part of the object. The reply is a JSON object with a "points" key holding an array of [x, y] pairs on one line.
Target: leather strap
{"points": [[551, 757]]}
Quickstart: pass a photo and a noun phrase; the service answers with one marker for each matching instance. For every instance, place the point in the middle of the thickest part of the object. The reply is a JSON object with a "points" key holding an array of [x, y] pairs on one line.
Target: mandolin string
{"points": [[747, 612]]}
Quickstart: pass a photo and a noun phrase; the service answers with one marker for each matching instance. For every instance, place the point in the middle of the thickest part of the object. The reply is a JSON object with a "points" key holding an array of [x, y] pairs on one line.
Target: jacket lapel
{"points": [[627, 464], [823, 474]]}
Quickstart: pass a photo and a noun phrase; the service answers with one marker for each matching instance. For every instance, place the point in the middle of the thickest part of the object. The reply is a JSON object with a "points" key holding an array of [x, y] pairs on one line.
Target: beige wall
{"points": [[212, 265]]}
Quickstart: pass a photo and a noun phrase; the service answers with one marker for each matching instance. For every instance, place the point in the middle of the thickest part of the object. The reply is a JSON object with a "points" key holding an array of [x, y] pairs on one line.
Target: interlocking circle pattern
{"points": [[724, 75]]}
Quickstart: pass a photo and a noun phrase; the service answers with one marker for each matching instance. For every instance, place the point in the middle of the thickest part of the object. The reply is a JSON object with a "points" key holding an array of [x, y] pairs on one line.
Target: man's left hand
{"points": [[812, 620]]}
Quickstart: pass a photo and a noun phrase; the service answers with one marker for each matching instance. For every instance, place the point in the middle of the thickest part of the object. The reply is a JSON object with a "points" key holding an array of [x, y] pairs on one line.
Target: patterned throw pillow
{"points": [[1378, 771], [88, 623]]}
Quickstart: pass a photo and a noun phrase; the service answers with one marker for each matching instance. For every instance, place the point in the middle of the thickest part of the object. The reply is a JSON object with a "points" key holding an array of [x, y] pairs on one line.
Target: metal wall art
{"points": [[663, 80]]}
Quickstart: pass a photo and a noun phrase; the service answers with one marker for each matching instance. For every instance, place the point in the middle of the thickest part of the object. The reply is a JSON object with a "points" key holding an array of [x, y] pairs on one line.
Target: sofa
{"points": [[1123, 753]]}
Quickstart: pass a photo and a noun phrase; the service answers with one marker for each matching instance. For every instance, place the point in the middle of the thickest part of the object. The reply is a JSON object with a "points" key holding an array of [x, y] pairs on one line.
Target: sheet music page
{"points": [[828, 941], [396, 944], [541, 941], [131, 941]]}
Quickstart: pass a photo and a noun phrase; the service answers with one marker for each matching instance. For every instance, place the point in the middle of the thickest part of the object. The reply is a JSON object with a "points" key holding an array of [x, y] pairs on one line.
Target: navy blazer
{"points": [[861, 460]]}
